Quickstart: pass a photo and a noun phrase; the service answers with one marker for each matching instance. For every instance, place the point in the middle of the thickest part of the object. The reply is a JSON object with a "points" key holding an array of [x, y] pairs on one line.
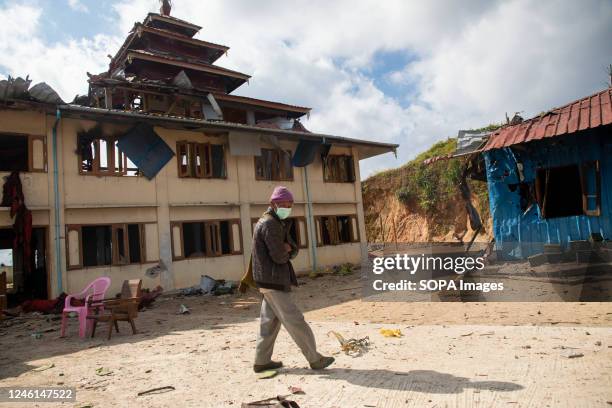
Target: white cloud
{"points": [[24, 51], [475, 60], [77, 5]]}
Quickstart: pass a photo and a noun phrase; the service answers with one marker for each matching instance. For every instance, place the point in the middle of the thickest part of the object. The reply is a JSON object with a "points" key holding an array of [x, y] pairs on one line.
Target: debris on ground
{"points": [[210, 286], [573, 355], [158, 390], [103, 372], [344, 269], [44, 367], [296, 390], [352, 347], [391, 332], [148, 297], [267, 374], [274, 402], [183, 310]]}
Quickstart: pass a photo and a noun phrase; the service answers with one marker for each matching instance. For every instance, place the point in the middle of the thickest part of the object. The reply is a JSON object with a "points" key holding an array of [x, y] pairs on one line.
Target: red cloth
{"points": [[12, 196]]}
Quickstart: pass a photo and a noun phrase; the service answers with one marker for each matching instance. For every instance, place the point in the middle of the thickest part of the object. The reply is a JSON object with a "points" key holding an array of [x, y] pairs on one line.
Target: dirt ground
{"points": [[451, 354]]}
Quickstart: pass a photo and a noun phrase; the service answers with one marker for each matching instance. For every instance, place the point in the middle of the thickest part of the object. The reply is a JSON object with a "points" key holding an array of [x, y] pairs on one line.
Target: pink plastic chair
{"points": [[93, 295]]}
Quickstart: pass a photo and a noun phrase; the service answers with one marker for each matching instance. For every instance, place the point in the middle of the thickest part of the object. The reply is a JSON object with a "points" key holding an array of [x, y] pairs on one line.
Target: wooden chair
{"points": [[124, 309]]}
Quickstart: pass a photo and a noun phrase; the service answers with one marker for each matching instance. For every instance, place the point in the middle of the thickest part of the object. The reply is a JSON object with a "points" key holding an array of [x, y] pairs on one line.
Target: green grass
{"points": [[430, 189]]}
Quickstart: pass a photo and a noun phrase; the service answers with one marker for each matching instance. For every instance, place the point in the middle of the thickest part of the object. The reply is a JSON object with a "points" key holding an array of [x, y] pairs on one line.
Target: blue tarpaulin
{"points": [[145, 149]]}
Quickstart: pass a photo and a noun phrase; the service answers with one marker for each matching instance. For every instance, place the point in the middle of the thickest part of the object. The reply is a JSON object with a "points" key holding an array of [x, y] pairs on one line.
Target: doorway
{"points": [[23, 285]]}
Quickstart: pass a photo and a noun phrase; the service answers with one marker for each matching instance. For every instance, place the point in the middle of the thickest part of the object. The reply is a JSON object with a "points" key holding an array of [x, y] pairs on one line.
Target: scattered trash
{"points": [[573, 355], [391, 332], [352, 347], [37, 335], [225, 288], [158, 390], [148, 297], [183, 310], [210, 286], [267, 374], [344, 269], [44, 367], [296, 390], [274, 402], [103, 372]]}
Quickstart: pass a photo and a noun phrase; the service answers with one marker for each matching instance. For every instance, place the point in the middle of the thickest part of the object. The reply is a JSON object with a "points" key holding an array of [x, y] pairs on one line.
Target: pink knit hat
{"points": [[281, 193]]}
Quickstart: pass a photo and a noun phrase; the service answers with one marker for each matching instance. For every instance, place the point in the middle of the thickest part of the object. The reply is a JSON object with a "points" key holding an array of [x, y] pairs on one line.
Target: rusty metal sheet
{"points": [[586, 113]]}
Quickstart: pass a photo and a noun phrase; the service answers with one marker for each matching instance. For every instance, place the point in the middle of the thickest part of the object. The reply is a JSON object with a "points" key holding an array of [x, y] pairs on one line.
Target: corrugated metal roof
{"points": [[586, 113]]}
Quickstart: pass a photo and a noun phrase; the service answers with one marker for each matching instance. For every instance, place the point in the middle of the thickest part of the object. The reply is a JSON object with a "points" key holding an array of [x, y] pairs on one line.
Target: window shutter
{"points": [[151, 242], [302, 232], [236, 237], [350, 168], [354, 229], [183, 159], [120, 248], [318, 228], [212, 237], [74, 257], [177, 240], [38, 153]]}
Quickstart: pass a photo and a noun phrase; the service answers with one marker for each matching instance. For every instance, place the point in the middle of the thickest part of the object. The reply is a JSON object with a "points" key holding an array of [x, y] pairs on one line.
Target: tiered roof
{"points": [[161, 60]]}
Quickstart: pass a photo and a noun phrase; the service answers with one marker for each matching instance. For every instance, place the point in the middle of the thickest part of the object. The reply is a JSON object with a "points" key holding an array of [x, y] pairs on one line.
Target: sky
{"points": [[405, 72]]}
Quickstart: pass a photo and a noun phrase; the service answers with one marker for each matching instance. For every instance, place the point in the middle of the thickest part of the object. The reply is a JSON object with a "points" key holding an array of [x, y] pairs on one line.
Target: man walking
{"points": [[273, 273]]}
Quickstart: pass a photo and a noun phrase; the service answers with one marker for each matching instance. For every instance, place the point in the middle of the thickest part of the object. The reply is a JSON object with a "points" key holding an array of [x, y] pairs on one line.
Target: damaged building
{"points": [[550, 181], [160, 172]]}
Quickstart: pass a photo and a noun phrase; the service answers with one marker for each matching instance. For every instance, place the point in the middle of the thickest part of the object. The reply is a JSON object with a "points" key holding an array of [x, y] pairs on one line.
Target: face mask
{"points": [[283, 212]]}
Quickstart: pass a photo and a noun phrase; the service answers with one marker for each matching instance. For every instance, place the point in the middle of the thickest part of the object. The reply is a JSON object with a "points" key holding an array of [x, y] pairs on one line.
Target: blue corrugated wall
{"points": [[519, 235]]}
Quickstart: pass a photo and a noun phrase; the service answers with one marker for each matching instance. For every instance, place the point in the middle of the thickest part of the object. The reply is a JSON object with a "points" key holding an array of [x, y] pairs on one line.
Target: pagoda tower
{"points": [[162, 69]]}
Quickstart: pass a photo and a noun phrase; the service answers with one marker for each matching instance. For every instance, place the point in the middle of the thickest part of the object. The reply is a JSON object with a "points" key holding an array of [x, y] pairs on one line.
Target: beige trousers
{"points": [[277, 307]]}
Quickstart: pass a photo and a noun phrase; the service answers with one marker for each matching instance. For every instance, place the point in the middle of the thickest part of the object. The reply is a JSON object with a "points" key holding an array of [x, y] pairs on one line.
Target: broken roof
{"points": [[245, 100], [172, 23], [233, 78], [213, 51], [587, 113], [367, 148]]}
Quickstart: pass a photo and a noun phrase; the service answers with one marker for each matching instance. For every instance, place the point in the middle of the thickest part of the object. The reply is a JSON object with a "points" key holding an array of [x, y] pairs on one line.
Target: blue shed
{"points": [[550, 178]]}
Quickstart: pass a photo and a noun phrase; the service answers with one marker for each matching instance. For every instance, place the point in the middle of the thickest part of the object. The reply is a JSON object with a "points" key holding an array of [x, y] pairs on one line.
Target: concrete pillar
{"points": [[163, 228], [242, 162], [359, 206]]}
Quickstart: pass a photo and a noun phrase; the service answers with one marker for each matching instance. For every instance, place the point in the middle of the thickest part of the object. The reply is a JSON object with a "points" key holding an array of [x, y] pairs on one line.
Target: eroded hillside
{"points": [[421, 203]]}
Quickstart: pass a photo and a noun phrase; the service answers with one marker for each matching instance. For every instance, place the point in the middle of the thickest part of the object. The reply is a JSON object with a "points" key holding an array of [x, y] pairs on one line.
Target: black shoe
{"points": [[322, 363], [272, 365]]}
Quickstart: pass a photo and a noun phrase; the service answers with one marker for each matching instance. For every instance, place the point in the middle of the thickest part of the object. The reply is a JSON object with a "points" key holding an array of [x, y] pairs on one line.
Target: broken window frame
{"points": [[333, 233], [198, 160], [211, 248], [115, 259], [275, 167], [296, 221], [332, 168], [30, 146], [119, 167], [583, 168]]}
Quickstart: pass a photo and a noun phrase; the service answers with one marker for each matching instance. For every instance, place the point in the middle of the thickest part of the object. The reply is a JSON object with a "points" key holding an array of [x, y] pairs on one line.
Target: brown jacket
{"points": [[272, 267]]}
